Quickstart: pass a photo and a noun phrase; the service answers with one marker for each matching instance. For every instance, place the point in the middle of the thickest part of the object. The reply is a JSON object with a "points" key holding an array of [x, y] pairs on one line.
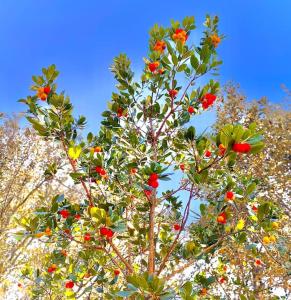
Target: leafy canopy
{"points": [[131, 234]]}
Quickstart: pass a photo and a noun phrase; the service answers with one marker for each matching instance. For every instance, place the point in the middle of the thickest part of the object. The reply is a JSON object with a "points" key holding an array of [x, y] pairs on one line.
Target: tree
{"points": [[132, 234], [25, 183], [271, 166], [263, 273]]}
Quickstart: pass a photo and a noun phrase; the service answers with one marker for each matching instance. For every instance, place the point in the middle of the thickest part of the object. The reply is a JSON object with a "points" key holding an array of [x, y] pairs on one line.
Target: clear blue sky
{"points": [[82, 37]]}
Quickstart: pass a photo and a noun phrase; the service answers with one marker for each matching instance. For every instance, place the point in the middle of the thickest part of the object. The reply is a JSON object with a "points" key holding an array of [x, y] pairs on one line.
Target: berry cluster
{"points": [[43, 92], [208, 100], [180, 35], [153, 180], [100, 171], [106, 232]]}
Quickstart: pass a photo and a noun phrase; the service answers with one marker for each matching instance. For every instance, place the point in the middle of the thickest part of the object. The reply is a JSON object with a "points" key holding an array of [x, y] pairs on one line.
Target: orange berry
{"points": [[180, 35], [203, 292], [39, 234], [221, 218], [160, 46], [215, 39], [48, 231], [133, 171], [222, 149], [97, 149]]}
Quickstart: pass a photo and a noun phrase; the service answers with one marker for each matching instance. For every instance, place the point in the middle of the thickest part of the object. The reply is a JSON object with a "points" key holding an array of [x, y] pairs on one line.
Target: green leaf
{"points": [[190, 133], [205, 54], [181, 68], [90, 137], [257, 148], [194, 62], [125, 294], [202, 69], [238, 132], [174, 59]]}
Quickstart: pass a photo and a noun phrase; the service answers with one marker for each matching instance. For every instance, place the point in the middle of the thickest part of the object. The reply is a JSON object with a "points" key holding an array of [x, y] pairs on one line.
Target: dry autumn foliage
{"points": [[272, 166], [260, 272], [27, 180]]}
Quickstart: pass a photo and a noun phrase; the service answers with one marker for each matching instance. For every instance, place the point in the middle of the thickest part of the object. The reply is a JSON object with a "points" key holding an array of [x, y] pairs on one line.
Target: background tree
{"points": [[131, 235], [26, 181], [262, 271], [273, 164]]}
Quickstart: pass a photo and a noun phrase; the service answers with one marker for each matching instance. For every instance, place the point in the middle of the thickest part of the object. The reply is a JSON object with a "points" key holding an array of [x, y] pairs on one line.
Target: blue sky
{"points": [[82, 37]]}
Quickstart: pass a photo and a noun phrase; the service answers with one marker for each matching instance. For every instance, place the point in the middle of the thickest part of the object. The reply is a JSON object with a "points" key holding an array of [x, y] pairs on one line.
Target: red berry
{"points": [[208, 100], [229, 195], [207, 153], [87, 237], [110, 234], [205, 105], [103, 231], [182, 167], [69, 284], [116, 272], [258, 262], [177, 227], [102, 172], [173, 93], [65, 213], [153, 66], [98, 169], [148, 193], [47, 90], [77, 217], [241, 147], [154, 176], [67, 231], [210, 97], [191, 110], [254, 208], [221, 218], [119, 112], [106, 232], [153, 183], [52, 268], [222, 280]]}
